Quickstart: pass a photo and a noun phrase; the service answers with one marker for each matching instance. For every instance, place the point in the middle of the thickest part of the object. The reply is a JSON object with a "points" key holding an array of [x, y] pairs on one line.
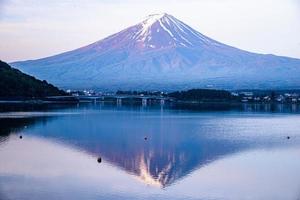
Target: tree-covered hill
{"points": [[14, 83]]}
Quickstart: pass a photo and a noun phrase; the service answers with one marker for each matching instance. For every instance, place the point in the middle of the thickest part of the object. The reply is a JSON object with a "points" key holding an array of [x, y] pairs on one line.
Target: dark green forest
{"points": [[15, 84]]}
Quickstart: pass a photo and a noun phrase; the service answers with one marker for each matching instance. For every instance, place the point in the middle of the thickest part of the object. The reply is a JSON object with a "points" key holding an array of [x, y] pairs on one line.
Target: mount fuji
{"points": [[163, 53]]}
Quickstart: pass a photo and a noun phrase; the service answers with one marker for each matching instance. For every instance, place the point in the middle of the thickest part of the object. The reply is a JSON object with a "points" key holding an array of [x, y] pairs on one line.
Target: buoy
{"points": [[288, 137], [99, 160], [20, 137], [145, 138]]}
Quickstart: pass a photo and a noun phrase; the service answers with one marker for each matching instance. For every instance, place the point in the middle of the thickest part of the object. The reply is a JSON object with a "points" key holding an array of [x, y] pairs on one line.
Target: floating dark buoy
{"points": [[99, 160], [21, 137], [288, 137], [145, 138]]}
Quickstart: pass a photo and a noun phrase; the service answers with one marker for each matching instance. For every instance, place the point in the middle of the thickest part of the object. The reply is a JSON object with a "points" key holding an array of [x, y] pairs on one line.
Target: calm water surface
{"points": [[150, 152]]}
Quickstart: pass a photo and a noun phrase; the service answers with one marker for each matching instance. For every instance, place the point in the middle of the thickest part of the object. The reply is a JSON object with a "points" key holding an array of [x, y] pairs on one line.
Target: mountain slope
{"points": [[14, 83], [163, 53]]}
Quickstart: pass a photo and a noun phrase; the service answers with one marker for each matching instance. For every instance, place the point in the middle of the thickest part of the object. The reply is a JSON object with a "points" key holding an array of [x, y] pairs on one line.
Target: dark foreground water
{"points": [[150, 152]]}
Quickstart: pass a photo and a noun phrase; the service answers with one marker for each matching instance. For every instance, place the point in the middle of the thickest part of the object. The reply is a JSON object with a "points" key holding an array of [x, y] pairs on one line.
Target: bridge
{"points": [[119, 98]]}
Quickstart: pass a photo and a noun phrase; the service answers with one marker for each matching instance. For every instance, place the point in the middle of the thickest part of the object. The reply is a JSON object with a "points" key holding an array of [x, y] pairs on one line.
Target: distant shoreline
{"points": [[40, 101], [36, 102], [188, 97]]}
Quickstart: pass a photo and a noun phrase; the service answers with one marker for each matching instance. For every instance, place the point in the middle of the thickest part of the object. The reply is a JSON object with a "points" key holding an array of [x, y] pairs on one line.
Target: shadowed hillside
{"points": [[14, 83]]}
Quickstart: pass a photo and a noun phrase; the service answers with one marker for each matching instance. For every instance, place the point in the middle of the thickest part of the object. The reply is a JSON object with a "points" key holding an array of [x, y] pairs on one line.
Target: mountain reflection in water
{"points": [[178, 142]]}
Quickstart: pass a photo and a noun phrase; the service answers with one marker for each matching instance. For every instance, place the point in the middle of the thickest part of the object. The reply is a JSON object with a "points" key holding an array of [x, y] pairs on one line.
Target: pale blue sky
{"points": [[31, 29]]}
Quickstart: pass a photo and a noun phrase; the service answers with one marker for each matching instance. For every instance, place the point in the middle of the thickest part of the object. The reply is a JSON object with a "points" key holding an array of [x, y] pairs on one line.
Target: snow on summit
{"points": [[156, 31], [163, 53], [169, 30]]}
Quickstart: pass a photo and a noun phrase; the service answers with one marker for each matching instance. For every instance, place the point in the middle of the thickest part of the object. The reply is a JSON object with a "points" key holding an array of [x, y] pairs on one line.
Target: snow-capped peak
{"points": [[157, 31], [148, 22], [155, 17], [163, 30]]}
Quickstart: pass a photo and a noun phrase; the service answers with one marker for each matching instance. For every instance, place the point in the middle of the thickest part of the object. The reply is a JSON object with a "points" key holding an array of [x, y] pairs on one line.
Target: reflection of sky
{"points": [[177, 143], [50, 171], [188, 154]]}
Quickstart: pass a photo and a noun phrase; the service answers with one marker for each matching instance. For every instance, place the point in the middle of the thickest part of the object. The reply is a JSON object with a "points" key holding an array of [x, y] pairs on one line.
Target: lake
{"points": [[150, 152]]}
